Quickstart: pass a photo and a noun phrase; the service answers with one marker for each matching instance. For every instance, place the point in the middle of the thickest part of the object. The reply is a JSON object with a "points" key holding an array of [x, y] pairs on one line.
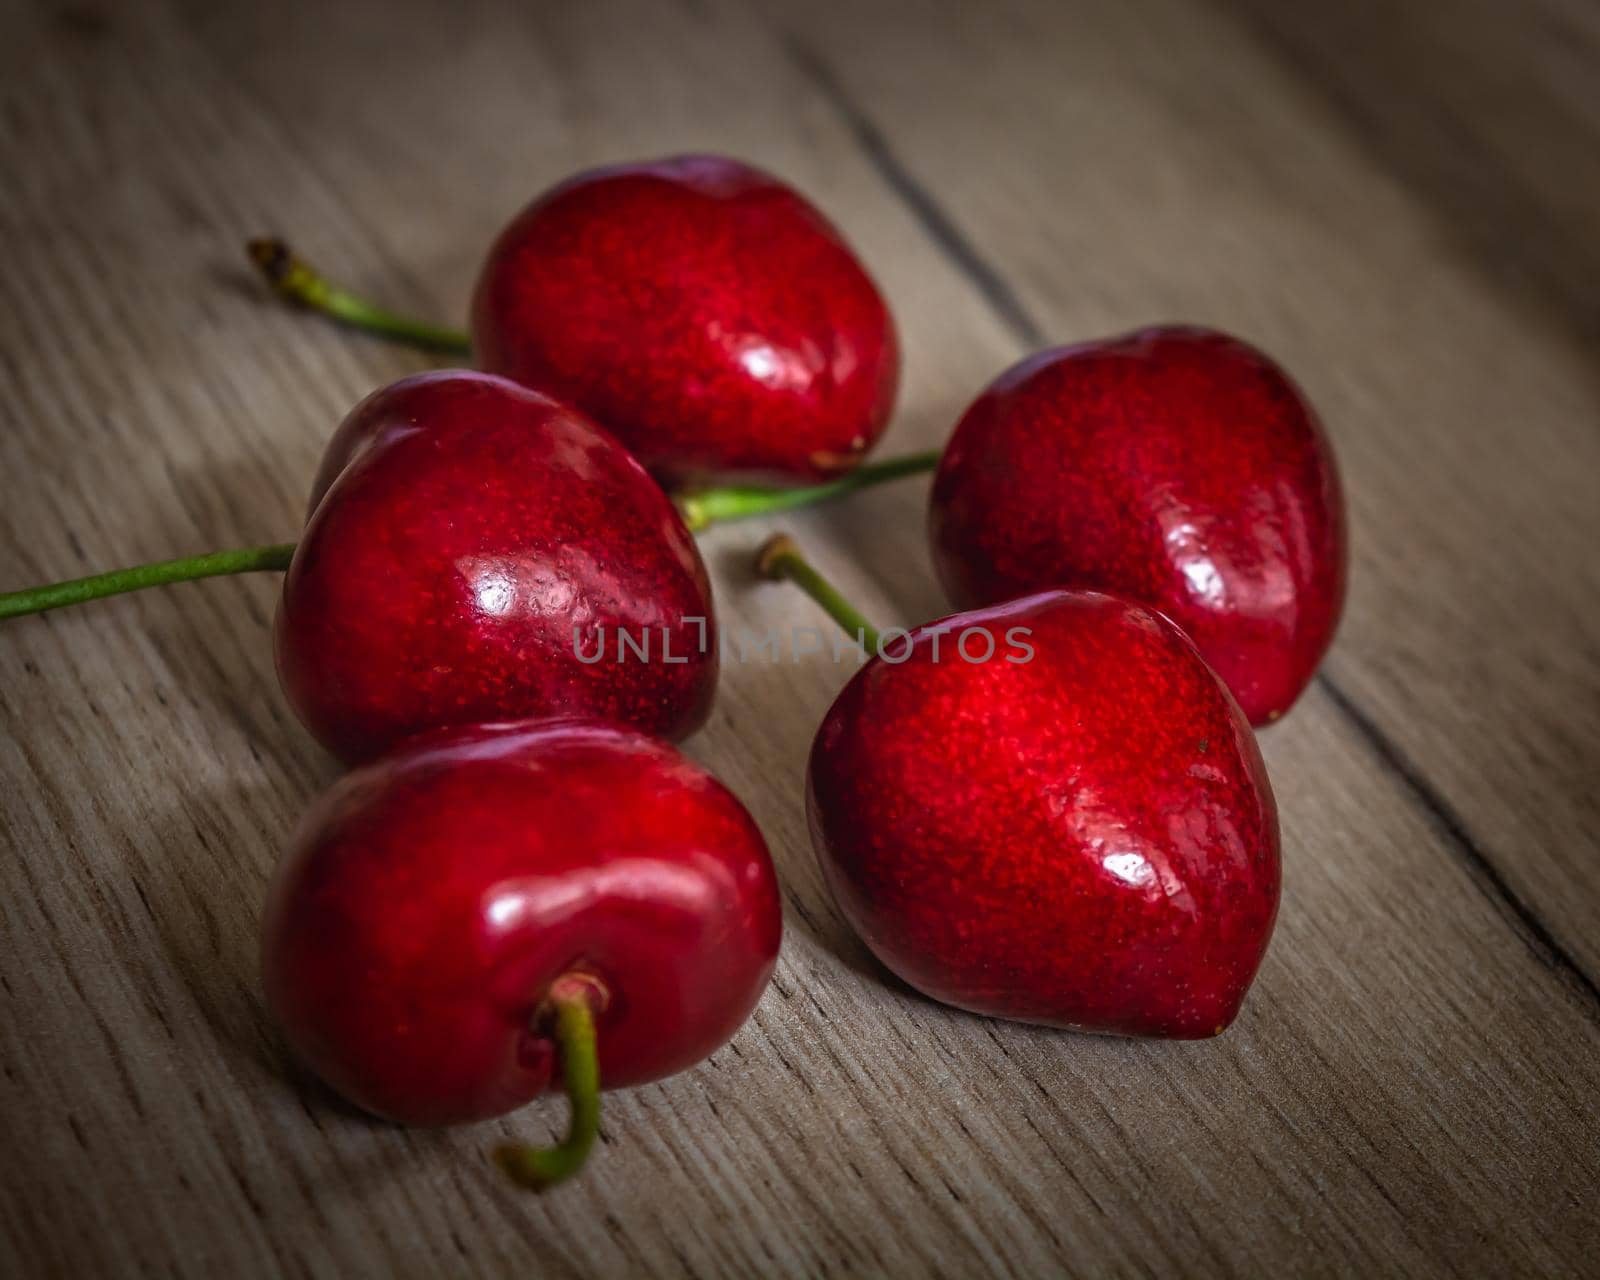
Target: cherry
{"points": [[1177, 467], [700, 309], [478, 551], [485, 905], [1049, 810]]}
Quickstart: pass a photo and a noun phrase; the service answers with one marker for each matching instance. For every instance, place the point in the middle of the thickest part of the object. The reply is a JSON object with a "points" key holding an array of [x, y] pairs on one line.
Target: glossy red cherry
{"points": [[436, 903], [1177, 467], [699, 309], [481, 552], [1050, 810]]}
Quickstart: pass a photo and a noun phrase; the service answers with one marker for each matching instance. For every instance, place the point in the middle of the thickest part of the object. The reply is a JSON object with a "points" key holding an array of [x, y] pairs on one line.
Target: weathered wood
{"points": [[1411, 1086]]}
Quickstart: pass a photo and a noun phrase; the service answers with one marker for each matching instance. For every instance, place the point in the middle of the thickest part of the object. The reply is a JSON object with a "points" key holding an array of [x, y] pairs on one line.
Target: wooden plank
{"points": [[1409, 1089], [1489, 116]]}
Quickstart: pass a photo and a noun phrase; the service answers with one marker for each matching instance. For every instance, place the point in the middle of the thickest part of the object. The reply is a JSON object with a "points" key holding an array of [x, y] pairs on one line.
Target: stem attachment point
{"points": [[573, 1001]]}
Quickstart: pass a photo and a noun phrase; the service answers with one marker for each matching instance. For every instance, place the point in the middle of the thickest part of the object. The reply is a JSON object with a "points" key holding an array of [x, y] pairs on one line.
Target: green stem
{"points": [[700, 509], [573, 999], [14, 604], [736, 502], [301, 283], [780, 558]]}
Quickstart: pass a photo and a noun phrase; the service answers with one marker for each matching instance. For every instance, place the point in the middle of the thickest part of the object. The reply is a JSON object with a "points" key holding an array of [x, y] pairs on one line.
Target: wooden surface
{"points": [[1399, 200]]}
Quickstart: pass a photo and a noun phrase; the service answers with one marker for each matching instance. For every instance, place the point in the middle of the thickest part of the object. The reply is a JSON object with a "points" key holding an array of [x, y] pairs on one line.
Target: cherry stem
{"points": [[14, 604], [780, 559], [301, 283], [737, 502], [573, 999], [699, 509]]}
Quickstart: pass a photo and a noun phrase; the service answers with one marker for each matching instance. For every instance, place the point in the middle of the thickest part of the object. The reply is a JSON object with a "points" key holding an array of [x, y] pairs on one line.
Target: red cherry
{"points": [[438, 905], [475, 553], [1177, 467], [699, 309], [1049, 810]]}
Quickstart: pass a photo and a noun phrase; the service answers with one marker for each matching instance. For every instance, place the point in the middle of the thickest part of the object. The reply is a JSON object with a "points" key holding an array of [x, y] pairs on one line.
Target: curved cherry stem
{"points": [[54, 595], [297, 280], [573, 999], [780, 559], [738, 502]]}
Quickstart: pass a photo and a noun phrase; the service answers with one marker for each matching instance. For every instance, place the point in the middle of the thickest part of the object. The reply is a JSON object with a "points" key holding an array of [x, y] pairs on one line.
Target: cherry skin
{"points": [[1083, 837], [431, 899], [702, 311], [1174, 466], [474, 549]]}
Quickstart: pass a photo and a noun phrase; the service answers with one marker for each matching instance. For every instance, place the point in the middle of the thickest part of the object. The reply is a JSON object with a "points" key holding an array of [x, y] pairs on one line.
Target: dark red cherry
{"points": [[479, 552], [699, 309], [434, 903], [1048, 810], [1174, 466]]}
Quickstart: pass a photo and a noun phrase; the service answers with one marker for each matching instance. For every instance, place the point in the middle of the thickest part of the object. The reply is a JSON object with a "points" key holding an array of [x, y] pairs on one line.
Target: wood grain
{"points": [[1411, 1088]]}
